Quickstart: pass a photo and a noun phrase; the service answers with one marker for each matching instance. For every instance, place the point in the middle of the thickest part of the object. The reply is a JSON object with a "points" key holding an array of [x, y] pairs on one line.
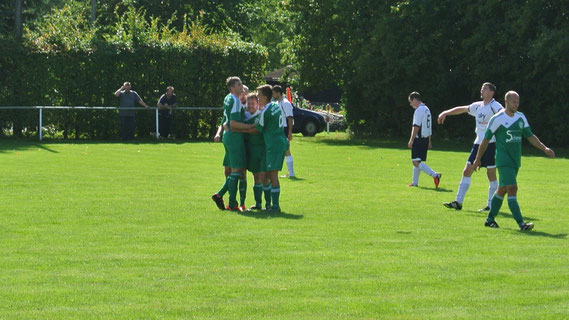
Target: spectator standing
{"points": [[165, 105], [128, 98]]}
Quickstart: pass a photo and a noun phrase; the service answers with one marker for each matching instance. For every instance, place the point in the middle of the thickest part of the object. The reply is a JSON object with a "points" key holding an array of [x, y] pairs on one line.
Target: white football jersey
{"points": [[422, 119], [483, 112], [286, 106]]}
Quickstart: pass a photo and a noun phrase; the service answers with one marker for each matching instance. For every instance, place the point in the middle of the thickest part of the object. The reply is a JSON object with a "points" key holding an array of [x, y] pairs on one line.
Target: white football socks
{"points": [[289, 165], [462, 188], [491, 190], [423, 166], [416, 173]]}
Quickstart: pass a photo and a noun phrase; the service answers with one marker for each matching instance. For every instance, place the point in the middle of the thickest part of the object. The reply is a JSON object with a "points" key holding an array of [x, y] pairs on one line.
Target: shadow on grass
{"points": [[435, 189], [441, 145], [22, 144], [534, 233], [270, 215], [291, 179], [503, 214]]}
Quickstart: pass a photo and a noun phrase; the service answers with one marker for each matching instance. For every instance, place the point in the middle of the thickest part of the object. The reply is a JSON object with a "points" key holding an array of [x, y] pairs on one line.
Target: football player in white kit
{"points": [[482, 111], [420, 140]]}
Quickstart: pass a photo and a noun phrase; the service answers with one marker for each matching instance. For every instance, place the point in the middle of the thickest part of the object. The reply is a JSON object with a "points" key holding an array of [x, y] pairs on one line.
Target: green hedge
{"points": [[64, 61], [32, 78]]}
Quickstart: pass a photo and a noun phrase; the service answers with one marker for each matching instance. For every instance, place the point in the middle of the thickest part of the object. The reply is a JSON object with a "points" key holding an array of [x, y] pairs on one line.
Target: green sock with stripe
{"points": [[495, 206], [275, 194], [232, 186], [267, 192]]}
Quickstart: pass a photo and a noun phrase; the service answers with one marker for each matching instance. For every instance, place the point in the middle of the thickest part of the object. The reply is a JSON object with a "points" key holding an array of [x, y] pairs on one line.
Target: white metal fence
{"points": [[41, 108]]}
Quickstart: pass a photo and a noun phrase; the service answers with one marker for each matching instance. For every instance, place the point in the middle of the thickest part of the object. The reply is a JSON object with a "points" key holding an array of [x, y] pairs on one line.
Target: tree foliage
{"points": [[378, 52], [64, 61]]}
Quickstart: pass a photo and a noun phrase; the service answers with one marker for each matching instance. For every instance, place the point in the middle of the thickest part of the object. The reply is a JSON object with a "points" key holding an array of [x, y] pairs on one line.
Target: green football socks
{"points": [[515, 208], [267, 191], [225, 187], [258, 193], [242, 190], [275, 194], [495, 206], [232, 186]]}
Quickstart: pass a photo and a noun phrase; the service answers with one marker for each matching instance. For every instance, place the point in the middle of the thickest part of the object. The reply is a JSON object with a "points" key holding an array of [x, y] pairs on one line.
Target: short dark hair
{"points": [[252, 95], [231, 81], [265, 90], [490, 86], [278, 89], [414, 95]]}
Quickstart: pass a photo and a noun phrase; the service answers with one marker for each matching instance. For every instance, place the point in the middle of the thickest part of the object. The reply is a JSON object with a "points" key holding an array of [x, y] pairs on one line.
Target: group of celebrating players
{"points": [[498, 145], [254, 138]]}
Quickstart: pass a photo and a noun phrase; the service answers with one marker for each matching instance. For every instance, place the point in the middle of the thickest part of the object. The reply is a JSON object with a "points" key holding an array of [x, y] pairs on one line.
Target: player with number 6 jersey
{"points": [[420, 140]]}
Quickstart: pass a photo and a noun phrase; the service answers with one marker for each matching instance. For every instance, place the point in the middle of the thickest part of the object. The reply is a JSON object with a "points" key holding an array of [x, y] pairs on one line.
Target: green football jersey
{"points": [[255, 139], [508, 132], [271, 124], [233, 110]]}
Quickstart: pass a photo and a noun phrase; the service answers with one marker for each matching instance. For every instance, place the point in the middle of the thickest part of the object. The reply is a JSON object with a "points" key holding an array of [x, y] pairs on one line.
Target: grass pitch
{"points": [[112, 230]]}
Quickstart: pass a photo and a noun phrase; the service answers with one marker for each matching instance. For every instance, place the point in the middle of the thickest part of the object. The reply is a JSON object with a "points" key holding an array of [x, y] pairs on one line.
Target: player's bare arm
{"points": [[534, 140], [217, 136], [451, 112], [289, 123], [481, 150], [236, 125], [414, 132]]}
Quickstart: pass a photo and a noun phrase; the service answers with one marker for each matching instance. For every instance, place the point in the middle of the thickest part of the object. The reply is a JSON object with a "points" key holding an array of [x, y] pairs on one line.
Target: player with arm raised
{"points": [[482, 111]]}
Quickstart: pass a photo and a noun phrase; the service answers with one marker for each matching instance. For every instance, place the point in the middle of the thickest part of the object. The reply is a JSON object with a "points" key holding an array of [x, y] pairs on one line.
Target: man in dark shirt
{"points": [[128, 98], [165, 104]]}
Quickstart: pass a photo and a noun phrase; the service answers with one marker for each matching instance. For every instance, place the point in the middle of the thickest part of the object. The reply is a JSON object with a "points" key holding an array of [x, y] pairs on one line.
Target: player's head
{"points": [[126, 86], [414, 99], [169, 91], [487, 91], [265, 93], [234, 85], [278, 92], [243, 95], [252, 102], [512, 99]]}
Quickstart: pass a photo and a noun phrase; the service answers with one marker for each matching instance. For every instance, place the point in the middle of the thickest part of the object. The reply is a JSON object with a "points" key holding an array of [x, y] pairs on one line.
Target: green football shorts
{"points": [[226, 159], [276, 153], [256, 158], [235, 150], [507, 176]]}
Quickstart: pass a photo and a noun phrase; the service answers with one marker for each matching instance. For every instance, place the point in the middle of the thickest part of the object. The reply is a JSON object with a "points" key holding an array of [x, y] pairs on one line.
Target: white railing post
{"points": [[41, 124], [328, 122], [157, 134]]}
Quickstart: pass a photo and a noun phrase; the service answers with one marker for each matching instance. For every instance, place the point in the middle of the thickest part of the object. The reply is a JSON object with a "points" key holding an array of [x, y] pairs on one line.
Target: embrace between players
{"points": [[498, 145], [254, 140]]}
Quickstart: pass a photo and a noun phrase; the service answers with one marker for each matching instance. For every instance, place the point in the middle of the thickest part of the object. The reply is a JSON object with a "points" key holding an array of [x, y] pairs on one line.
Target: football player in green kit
{"points": [[271, 124], [255, 145], [508, 126], [233, 141]]}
